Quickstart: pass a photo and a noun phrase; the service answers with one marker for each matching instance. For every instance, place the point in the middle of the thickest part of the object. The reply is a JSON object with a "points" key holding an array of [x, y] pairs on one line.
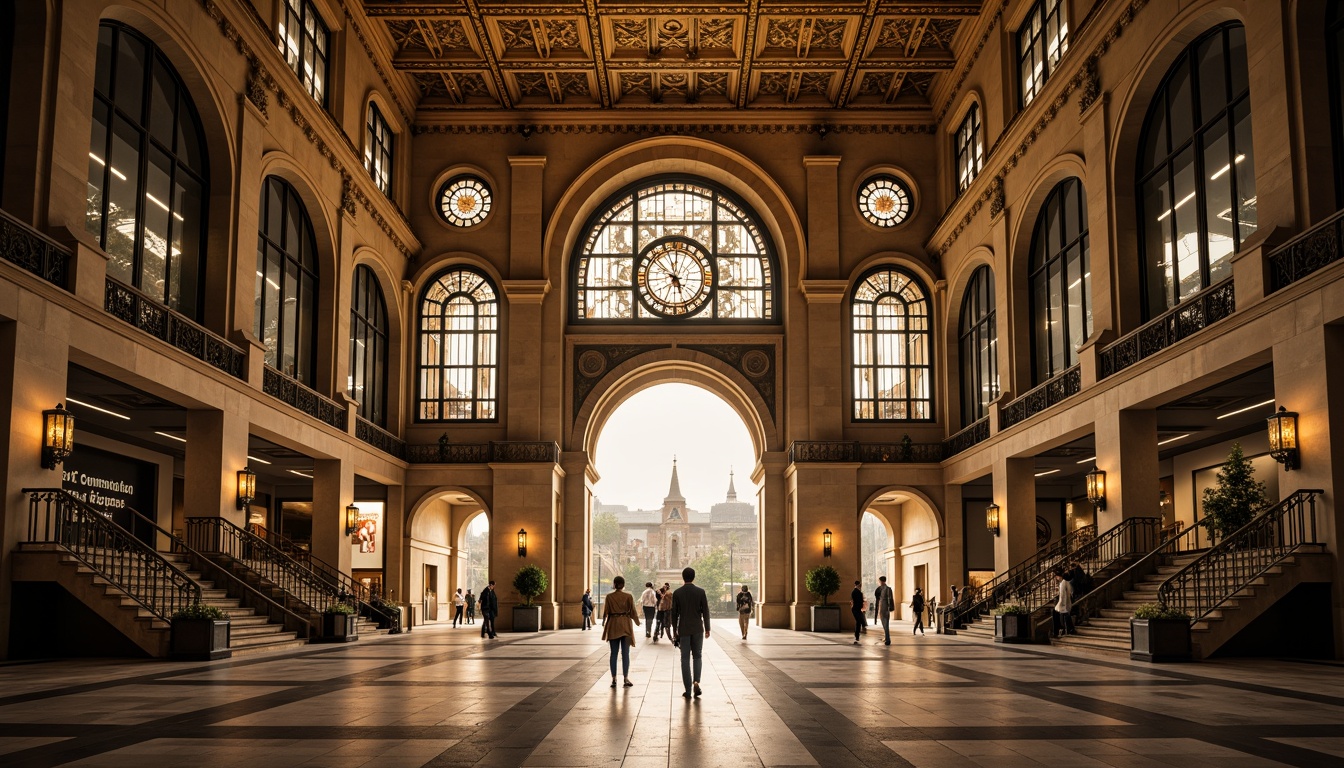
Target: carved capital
{"points": [[256, 89], [1089, 88]]}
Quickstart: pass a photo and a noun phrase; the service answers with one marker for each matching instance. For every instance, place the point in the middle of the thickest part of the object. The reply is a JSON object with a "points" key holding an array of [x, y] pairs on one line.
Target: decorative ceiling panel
{"points": [[623, 54]]}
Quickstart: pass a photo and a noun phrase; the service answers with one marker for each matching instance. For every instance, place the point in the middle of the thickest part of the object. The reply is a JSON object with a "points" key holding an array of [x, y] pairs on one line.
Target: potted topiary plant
{"points": [[1012, 624], [824, 581], [339, 624], [1158, 633], [200, 632], [530, 581]]}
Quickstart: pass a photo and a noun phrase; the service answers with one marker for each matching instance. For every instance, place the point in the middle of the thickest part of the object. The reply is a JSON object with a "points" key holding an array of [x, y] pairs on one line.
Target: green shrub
{"points": [[1011, 610], [341, 608], [529, 582], [1159, 611], [199, 611], [822, 581]]}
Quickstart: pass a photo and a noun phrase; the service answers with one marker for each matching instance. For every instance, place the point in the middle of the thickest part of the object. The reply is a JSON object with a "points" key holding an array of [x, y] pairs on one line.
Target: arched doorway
{"points": [[473, 553], [901, 538], [448, 536]]}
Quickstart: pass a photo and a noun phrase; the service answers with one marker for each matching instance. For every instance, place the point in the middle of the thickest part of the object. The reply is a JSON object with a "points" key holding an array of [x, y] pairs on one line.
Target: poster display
{"points": [[113, 484], [366, 542]]}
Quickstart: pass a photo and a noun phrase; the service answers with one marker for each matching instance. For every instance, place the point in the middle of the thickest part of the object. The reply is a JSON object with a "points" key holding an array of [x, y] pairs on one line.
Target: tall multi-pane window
{"points": [[303, 42], [459, 349], [1060, 279], [892, 365], [378, 150], [979, 347], [368, 347], [1196, 170], [1042, 40], [286, 305], [970, 148], [147, 171], [1334, 45]]}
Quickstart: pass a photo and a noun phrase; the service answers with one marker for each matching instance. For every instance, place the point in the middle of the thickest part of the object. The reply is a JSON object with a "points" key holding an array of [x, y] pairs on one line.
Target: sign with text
{"points": [[366, 543], [113, 484]]}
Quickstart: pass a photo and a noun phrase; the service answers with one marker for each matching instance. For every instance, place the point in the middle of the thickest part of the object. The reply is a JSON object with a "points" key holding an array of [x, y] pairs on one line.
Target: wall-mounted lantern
{"points": [[351, 519], [247, 487], [522, 542], [826, 543], [992, 519], [58, 436], [1096, 488], [1283, 439]]}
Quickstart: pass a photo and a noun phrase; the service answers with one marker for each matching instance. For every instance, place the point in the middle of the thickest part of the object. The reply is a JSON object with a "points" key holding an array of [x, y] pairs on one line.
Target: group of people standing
{"points": [[884, 604], [465, 605], [1074, 582], [684, 618]]}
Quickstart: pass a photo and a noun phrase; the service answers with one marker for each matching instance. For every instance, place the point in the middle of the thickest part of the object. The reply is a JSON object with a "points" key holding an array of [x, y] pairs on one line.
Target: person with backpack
{"points": [[745, 602], [917, 605]]}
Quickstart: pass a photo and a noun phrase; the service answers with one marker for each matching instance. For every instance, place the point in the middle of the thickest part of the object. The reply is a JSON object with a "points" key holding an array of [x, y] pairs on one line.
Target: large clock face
{"points": [[675, 278]]}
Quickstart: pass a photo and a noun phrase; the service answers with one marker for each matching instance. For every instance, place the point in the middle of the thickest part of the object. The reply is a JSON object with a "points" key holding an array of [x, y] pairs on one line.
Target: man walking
{"points": [[649, 600], [745, 602], [471, 607], [886, 603], [489, 609], [588, 608], [856, 608], [664, 628], [917, 605], [690, 616]]}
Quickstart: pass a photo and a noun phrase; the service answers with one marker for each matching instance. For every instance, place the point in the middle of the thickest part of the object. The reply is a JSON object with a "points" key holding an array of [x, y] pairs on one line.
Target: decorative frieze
{"points": [[593, 361]]}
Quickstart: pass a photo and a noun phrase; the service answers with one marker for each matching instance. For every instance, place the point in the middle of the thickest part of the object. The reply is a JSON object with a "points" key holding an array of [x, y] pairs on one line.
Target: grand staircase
{"points": [[1107, 628]]}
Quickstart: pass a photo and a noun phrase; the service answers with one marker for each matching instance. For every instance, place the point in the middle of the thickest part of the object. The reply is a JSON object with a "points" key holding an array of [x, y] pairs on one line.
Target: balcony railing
{"points": [[379, 438], [977, 432], [851, 451], [1185, 319], [285, 389], [24, 246], [125, 303], [496, 452], [1052, 392], [1313, 249]]}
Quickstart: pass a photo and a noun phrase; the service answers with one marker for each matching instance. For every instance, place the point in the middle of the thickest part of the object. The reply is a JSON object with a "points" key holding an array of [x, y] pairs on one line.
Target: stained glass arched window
{"points": [[368, 347], [892, 365], [459, 349], [147, 171], [1196, 167], [1061, 280], [286, 308], [674, 249], [979, 347]]}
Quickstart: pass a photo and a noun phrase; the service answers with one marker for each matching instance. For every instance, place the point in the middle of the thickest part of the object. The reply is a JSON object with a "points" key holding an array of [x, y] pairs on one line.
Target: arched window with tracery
{"points": [[674, 249], [1060, 279], [368, 347], [286, 305], [892, 365], [148, 175], [1196, 170], [979, 347], [459, 348]]}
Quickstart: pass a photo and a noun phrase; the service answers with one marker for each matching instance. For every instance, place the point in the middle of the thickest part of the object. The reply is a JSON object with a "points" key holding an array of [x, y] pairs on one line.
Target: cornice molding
{"points": [[495, 125]]}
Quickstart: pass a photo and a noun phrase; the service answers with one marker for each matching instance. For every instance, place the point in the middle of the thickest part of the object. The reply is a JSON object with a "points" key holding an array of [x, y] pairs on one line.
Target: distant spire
{"points": [[674, 490], [732, 491]]}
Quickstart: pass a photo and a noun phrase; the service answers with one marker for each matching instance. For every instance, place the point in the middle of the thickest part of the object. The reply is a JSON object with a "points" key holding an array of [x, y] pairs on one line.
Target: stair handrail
{"points": [[1131, 536], [1229, 566], [215, 534], [137, 570], [1006, 586], [362, 595], [1113, 589]]}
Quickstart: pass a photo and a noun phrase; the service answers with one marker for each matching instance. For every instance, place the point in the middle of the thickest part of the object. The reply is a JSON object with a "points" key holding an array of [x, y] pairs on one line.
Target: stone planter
{"points": [[338, 628], [200, 639], [825, 618], [527, 618], [1012, 628], [1159, 640]]}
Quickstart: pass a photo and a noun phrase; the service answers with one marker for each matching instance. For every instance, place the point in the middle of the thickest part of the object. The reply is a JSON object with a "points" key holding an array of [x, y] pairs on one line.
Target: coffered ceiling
{"points": [[617, 54]]}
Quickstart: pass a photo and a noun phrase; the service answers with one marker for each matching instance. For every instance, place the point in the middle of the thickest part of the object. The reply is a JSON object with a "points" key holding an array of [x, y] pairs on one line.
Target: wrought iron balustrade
{"points": [[217, 536], [903, 452], [361, 596], [1242, 556], [1043, 396], [976, 432], [1009, 585], [379, 438], [138, 570], [33, 251], [1131, 539], [497, 451], [1114, 588], [309, 401], [1314, 249], [129, 305], [1196, 313]]}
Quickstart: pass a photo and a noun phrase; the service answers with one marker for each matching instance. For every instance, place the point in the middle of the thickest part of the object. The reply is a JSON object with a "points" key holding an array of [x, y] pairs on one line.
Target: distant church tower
{"points": [[676, 525]]}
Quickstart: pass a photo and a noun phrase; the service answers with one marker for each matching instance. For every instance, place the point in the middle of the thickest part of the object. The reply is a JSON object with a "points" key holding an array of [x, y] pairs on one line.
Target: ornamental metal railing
{"points": [[1043, 396], [136, 569], [1314, 249], [131, 306], [1113, 589], [976, 432], [1243, 556], [361, 595], [305, 399], [499, 452], [1131, 539], [379, 438], [1007, 586], [33, 251], [1192, 315], [903, 452]]}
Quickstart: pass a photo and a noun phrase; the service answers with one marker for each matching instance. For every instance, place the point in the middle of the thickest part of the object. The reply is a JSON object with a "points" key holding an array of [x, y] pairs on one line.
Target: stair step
{"points": [[255, 630], [1078, 641], [245, 641], [282, 645]]}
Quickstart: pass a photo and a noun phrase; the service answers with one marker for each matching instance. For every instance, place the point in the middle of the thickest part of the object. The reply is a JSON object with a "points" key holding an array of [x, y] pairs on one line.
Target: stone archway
{"points": [[432, 548], [916, 557]]}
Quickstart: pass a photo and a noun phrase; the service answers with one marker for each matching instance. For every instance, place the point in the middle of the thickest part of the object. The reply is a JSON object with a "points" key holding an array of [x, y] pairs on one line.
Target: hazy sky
{"points": [[635, 449]]}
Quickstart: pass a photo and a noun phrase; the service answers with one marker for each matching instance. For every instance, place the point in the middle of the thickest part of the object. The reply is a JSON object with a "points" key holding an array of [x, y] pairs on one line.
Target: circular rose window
{"points": [[465, 201], [884, 201]]}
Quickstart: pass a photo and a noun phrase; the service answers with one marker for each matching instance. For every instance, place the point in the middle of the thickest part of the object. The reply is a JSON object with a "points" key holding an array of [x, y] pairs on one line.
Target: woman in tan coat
{"points": [[619, 620]]}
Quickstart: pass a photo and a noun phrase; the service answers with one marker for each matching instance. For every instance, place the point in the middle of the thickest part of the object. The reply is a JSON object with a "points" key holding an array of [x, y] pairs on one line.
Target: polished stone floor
{"points": [[443, 697]]}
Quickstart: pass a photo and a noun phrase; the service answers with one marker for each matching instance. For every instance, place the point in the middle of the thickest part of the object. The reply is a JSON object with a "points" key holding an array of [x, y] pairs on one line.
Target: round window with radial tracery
{"points": [[464, 201], [884, 201]]}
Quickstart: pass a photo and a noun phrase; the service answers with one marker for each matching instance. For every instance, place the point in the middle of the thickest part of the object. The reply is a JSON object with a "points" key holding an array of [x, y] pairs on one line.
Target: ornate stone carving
{"points": [[593, 361], [754, 361], [256, 89], [1090, 89], [997, 200]]}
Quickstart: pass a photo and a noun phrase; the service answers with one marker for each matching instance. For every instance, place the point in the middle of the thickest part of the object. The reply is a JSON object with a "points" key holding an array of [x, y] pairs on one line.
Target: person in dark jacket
{"points": [[588, 608], [471, 607], [856, 608], [489, 609], [917, 605], [690, 617]]}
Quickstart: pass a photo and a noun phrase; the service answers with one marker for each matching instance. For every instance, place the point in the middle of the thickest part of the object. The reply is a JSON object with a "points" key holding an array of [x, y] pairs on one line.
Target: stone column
{"points": [[776, 564], [1097, 188], [396, 568], [1127, 453], [954, 535], [825, 348], [524, 500], [216, 451], [1267, 54], [823, 217], [241, 312], [825, 497], [524, 390], [1015, 493], [526, 221], [333, 490], [576, 558]]}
